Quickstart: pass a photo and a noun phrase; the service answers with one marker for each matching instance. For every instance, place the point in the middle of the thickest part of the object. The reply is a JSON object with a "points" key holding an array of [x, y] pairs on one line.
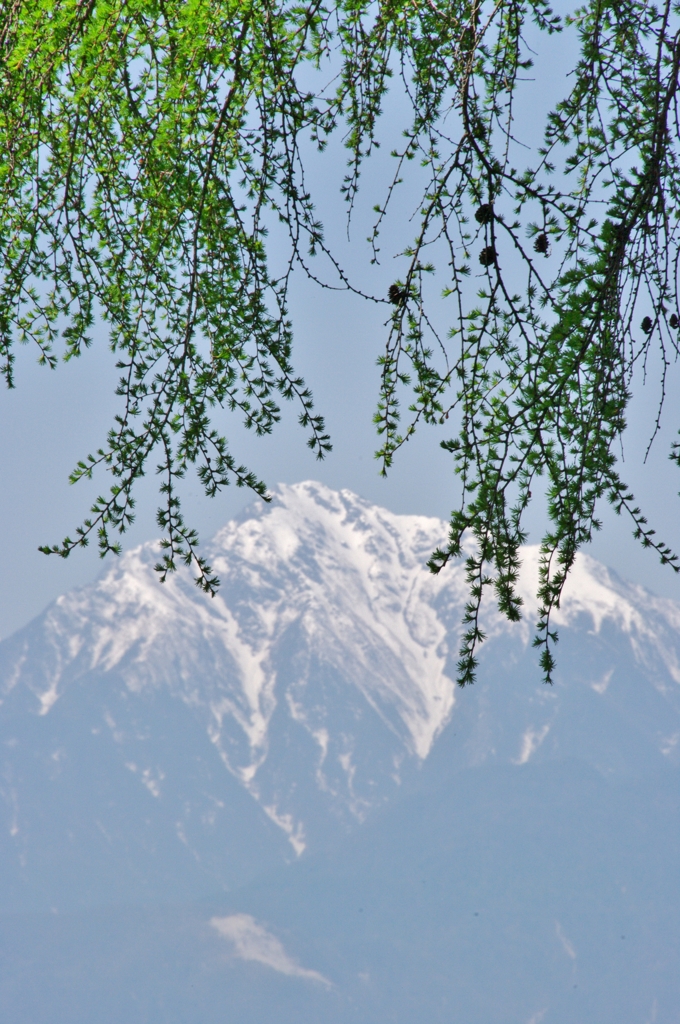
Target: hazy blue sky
{"points": [[54, 418]]}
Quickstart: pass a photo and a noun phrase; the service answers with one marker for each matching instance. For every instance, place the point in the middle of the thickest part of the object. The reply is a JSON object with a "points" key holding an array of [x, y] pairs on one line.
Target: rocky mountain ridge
{"points": [[325, 666], [279, 797]]}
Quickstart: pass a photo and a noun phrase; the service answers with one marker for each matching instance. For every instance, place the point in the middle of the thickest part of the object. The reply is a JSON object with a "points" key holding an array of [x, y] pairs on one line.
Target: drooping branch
{"points": [[147, 146]]}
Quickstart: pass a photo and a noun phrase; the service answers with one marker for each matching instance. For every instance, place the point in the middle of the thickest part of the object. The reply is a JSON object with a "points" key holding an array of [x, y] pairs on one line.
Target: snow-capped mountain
{"points": [[317, 671], [159, 745]]}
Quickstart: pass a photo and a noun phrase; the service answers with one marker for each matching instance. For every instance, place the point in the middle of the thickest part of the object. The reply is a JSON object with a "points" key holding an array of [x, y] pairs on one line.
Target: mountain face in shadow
{"points": [[277, 805]]}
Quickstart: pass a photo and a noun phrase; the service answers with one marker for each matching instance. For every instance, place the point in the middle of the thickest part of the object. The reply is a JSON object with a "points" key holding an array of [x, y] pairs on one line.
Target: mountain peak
{"points": [[358, 837], [324, 669]]}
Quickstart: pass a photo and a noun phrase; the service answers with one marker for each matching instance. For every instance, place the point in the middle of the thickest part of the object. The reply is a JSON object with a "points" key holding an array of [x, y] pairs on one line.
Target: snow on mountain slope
{"points": [[321, 675], [278, 802]]}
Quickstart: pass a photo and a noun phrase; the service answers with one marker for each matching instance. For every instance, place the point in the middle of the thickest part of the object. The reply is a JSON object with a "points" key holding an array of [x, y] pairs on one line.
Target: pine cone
{"points": [[395, 294], [542, 244], [484, 214], [487, 256], [646, 325]]}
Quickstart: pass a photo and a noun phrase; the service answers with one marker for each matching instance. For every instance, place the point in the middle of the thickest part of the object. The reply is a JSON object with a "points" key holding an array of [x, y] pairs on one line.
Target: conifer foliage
{"points": [[146, 144]]}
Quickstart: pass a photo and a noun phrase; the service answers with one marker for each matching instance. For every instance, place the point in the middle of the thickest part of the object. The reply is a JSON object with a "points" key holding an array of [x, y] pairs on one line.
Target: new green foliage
{"points": [[146, 145]]}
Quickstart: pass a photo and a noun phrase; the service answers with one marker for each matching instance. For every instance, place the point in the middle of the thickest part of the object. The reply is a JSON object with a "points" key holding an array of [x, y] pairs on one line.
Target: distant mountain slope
{"points": [[150, 732], [277, 804]]}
